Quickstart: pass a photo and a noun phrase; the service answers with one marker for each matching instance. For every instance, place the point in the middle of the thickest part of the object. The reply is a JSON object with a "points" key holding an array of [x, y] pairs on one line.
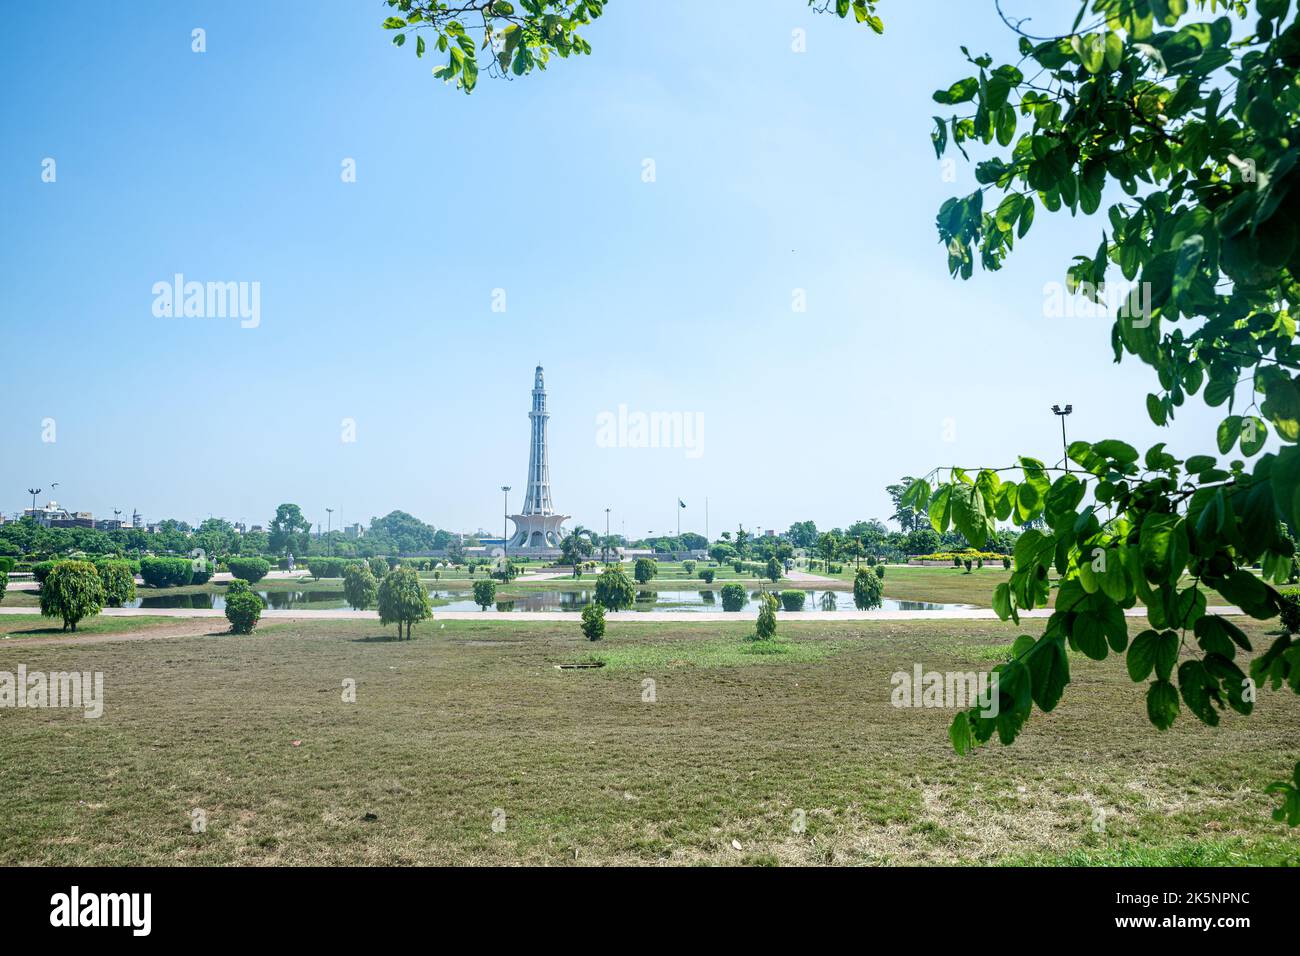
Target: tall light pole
{"points": [[1061, 413], [33, 492], [606, 548], [329, 528], [505, 516]]}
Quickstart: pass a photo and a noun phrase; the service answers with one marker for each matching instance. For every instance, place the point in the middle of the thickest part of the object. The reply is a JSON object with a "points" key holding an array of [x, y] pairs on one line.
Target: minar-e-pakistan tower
{"points": [[538, 527]]}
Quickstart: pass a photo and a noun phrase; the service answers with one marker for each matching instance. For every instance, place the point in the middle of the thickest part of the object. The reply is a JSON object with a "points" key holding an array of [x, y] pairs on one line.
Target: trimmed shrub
{"points": [[201, 571], [793, 600], [613, 590], [378, 567], [7, 564], [41, 570], [645, 570], [166, 572], [688, 567], [359, 586], [707, 575], [1006, 563], [238, 587], [738, 566], [967, 563], [72, 591], [118, 581], [880, 571], [867, 589], [251, 570], [4, 583], [485, 592], [733, 597], [243, 609], [765, 630], [593, 622], [327, 567]]}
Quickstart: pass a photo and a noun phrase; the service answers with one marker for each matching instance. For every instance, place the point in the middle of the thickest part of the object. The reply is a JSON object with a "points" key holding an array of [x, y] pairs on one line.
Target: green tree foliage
{"points": [[792, 600], [733, 597], [400, 533], [72, 591], [1196, 129], [243, 608], [378, 567], [707, 575], [645, 570], [765, 629], [289, 530], [485, 592], [118, 582], [593, 622], [867, 589], [614, 591], [773, 570], [4, 584], [251, 570], [522, 35], [909, 518], [328, 567], [360, 586], [403, 600]]}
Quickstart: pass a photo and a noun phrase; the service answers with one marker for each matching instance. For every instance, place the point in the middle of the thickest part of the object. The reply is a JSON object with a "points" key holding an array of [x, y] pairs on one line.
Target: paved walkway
{"points": [[648, 617]]}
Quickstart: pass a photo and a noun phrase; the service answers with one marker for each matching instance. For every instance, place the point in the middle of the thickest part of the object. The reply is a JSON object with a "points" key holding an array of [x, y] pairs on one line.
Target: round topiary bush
{"points": [[359, 586], [645, 570], [1006, 563], [733, 597], [243, 610], [707, 575], [593, 622], [793, 600], [880, 571], [251, 570]]}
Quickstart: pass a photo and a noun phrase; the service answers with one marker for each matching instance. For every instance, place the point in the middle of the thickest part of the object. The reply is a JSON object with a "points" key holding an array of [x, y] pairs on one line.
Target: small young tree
{"points": [[688, 567], [645, 570], [707, 575], [402, 599], [118, 582], [72, 591], [773, 570], [243, 607], [880, 571], [378, 568], [359, 586], [765, 630], [485, 592], [593, 622], [867, 589], [613, 590]]}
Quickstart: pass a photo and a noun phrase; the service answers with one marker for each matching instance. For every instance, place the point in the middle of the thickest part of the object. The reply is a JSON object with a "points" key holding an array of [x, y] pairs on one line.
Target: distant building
{"points": [[110, 524], [354, 531]]}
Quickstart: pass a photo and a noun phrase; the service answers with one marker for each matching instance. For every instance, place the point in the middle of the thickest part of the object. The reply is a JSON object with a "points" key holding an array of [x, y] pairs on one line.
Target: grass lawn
{"points": [[473, 716]]}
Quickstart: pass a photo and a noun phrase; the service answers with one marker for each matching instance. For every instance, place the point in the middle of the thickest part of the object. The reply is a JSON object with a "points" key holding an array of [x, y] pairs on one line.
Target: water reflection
{"points": [[572, 600]]}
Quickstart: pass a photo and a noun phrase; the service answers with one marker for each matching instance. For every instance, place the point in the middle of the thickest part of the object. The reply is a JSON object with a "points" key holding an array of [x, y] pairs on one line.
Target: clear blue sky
{"points": [[775, 171]]}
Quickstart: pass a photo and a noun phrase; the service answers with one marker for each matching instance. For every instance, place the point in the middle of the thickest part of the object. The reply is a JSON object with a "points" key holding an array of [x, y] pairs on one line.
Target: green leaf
{"points": [[959, 732], [1162, 704], [1228, 431], [1049, 669], [1141, 659]]}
